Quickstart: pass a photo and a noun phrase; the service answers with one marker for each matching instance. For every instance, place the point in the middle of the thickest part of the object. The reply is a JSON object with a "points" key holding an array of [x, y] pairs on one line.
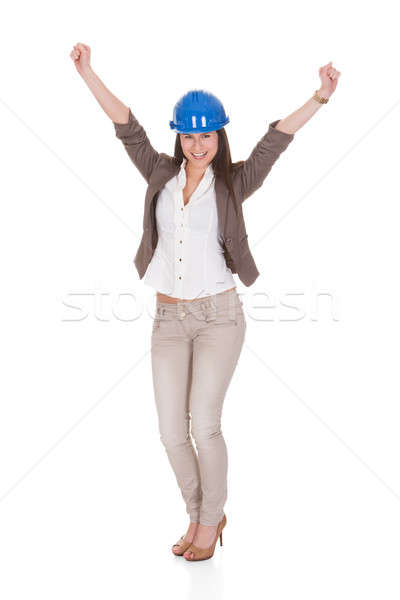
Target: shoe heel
{"points": [[220, 539]]}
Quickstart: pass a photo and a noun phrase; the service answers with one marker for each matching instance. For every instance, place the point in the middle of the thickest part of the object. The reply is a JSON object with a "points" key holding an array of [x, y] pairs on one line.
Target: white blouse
{"points": [[188, 261]]}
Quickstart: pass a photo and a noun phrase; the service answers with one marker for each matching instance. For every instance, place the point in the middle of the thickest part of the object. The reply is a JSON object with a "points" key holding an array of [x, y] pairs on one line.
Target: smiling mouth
{"points": [[199, 156]]}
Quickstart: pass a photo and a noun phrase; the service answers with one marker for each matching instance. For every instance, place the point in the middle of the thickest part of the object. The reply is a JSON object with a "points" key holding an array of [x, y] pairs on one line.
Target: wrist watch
{"points": [[319, 99]]}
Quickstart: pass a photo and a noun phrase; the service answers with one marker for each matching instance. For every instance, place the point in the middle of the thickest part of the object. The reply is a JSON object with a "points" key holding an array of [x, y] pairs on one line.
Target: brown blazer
{"points": [[157, 168]]}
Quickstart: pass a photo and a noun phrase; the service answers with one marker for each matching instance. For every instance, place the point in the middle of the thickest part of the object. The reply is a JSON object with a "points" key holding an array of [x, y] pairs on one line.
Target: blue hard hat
{"points": [[198, 111]]}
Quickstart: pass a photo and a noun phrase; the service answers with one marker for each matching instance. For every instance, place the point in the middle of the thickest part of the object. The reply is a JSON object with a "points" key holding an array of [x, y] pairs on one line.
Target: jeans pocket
{"points": [[224, 316], [156, 325]]}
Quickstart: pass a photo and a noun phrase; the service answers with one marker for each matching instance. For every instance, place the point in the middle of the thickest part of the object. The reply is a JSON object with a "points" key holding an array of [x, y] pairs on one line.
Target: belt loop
{"points": [[204, 307]]}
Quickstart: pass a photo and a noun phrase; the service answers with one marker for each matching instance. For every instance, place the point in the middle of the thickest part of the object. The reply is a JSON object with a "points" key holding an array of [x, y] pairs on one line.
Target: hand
{"points": [[329, 79], [81, 57]]}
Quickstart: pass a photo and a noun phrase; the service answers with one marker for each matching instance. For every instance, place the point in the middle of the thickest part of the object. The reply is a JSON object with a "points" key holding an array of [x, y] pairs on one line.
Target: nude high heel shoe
{"points": [[183, 545], [204, 553]]}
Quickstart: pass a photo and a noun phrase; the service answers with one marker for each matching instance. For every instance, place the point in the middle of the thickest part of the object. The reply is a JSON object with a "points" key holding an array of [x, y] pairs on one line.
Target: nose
{"points": [[198, 142]]}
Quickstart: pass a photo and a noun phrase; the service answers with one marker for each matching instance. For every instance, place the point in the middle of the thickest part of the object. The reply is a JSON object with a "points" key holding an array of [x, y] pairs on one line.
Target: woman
{"points": [[186, 254]]}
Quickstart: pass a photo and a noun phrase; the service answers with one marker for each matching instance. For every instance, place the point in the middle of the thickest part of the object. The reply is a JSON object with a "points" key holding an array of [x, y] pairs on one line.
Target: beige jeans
{"points": [[195, 348]]}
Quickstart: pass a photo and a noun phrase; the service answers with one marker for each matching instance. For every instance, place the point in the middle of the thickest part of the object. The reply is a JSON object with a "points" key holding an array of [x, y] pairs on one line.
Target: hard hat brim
{"points": [[215, 127]]}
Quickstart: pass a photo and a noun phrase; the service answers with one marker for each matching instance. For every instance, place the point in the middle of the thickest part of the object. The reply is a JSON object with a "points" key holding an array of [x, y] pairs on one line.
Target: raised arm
{"points": [[329, 79], [127, 127], [255, 169], [280, 133]]}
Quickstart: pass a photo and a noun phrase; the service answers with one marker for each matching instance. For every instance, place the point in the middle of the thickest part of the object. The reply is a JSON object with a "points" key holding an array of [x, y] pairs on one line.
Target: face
{"points": [[198, 143]]}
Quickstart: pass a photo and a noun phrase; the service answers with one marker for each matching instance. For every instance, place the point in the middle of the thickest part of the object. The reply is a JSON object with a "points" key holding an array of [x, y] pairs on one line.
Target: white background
{"points": [[89, 505]]}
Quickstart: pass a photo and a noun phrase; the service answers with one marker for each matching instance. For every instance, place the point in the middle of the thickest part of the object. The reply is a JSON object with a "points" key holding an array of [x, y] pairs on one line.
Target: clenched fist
{"points": [[80, 54], [329, 79]]}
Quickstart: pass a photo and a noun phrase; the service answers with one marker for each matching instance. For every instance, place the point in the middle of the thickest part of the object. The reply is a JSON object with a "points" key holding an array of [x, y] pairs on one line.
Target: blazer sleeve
{"points": [[137, 145], [263, 156]]}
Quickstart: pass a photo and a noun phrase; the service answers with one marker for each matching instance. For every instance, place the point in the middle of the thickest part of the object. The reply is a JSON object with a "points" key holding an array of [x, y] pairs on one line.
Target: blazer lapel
{"points": [[222, 195]]}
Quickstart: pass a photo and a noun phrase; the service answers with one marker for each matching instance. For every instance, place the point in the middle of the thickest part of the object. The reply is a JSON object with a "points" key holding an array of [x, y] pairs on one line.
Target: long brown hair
{"points": [[221, 163]]}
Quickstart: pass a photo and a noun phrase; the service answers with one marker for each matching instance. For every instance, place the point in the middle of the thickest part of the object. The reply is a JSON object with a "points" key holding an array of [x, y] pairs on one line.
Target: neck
{"points": [[194, 172]]}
